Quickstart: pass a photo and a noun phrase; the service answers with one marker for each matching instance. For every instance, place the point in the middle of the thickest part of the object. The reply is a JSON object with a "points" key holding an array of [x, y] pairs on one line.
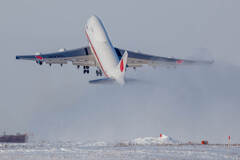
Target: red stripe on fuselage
{"points": [[96, 54]]}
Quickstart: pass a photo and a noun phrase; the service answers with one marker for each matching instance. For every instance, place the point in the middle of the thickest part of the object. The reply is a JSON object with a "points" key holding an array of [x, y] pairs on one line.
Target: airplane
{"points": [[109, 60]]}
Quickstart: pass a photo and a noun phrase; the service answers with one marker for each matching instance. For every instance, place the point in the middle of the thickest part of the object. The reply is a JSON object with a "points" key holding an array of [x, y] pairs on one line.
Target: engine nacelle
{"points": [[38, 53], [137, 51], [37, 56], [62, 50], [39, 62]]}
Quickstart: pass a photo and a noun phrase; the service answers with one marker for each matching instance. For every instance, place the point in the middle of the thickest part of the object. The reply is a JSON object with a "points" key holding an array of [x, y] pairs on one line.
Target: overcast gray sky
{"points": [[189, 103]]}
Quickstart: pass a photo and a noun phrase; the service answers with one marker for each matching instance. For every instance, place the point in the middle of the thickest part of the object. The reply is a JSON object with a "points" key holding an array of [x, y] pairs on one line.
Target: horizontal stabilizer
{"points": [[102, 81], [113, 81]]}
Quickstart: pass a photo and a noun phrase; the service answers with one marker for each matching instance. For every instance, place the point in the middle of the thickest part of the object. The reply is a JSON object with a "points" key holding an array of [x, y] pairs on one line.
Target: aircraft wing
{"points": [[81, 57], [136, 59]]}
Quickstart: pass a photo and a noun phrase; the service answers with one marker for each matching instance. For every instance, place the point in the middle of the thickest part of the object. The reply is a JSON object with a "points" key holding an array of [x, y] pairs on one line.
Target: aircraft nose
{"points": [[93, 19]]}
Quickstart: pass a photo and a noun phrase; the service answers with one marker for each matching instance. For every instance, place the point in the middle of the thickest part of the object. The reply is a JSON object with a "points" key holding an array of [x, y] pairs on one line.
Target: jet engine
{"points": [[39, 57], [62, 50], [137, 51]]}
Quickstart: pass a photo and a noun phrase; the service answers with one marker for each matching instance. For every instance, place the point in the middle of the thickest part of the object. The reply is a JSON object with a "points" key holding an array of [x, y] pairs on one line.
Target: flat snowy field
{"points": [[142, 148]]}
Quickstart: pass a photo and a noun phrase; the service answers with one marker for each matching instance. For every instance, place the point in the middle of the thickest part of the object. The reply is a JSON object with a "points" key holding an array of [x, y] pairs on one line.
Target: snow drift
{"points": [[149, 141]]}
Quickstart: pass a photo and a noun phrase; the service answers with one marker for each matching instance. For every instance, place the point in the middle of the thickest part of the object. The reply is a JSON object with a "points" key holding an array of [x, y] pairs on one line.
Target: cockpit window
{"points": [[92, 29]]}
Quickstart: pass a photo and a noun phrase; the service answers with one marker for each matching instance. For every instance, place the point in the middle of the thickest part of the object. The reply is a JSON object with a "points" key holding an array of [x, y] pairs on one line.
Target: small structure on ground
{"points": [[204, 142], [18, 138]]}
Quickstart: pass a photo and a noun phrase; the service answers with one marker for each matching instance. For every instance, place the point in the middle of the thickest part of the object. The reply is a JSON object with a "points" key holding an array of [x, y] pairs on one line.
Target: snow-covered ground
{"points": [[141, 148]]}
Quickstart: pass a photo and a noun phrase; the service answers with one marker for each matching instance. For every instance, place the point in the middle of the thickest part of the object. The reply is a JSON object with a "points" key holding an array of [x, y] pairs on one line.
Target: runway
{"points": [[127, 150]]}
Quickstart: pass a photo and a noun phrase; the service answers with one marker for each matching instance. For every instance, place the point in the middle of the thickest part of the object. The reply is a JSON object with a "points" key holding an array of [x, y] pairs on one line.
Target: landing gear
{"points": [[99, 72], [86, 69]]}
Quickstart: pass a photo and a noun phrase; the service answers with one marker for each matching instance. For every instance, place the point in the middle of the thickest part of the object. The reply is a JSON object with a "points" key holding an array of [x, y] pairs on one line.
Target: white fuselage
{"points": [[104, 53]]}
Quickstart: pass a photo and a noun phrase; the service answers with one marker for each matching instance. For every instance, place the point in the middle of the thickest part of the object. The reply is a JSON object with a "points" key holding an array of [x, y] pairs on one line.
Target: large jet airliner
{"points": [[100, 53]]}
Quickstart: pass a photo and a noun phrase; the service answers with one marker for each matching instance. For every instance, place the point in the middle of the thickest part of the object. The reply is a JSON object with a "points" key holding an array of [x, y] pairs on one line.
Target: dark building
{"points": [[18, 138]]}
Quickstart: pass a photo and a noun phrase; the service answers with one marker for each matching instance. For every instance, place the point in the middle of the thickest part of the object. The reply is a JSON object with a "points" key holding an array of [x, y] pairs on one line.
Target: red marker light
{"points": [[39, 57]]}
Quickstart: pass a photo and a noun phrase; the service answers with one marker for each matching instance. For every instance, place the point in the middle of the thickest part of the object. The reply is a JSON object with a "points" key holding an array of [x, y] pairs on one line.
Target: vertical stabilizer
{"points": [[121, 68]]}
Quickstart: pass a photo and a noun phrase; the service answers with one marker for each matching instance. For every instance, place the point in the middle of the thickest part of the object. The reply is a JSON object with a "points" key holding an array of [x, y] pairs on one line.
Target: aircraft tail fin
{"points": [[121, 68], [119, 76]]}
